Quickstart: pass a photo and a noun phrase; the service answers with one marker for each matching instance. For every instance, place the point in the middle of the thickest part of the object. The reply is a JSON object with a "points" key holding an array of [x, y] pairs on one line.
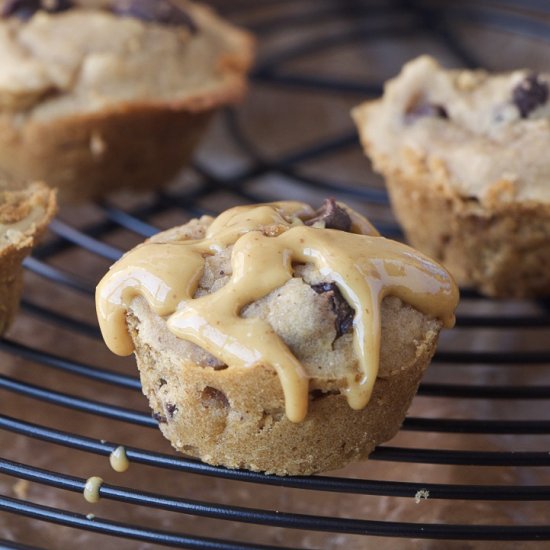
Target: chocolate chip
{"points": [[22, 9], [171, 409], [213, 398], [155, 11], [316, 395], [25, 9], [422, 109], [162, 382], [220, 366], [334, 216], [56, 6], [343, 311], [161, 419], [530, 93], [214, 363]]}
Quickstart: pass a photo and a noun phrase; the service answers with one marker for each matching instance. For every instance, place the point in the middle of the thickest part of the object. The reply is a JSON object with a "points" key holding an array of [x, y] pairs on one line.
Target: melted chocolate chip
{"points": [[316, 395], [422, 109], [343, 311], [25, 9], [161, 419], [56, 6], [214, 363], [334, 216], [155, 11], [530, 93], [171, 409], [213, 398]]}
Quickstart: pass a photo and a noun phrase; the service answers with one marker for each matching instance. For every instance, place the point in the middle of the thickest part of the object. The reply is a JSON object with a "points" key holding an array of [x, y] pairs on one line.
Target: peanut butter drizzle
{"points": [[118, 460], [267, 239], [91, 489]]}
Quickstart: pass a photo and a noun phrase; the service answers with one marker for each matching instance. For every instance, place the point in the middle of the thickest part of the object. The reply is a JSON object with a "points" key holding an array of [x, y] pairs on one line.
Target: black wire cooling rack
{"points": [[300, 31]]}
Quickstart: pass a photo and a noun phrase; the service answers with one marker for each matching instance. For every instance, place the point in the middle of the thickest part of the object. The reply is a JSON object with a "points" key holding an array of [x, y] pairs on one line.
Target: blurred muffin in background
{"points": [[464, 155], [99, 95]]}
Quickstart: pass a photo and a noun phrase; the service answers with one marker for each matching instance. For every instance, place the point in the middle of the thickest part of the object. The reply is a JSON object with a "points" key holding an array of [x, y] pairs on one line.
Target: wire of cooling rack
{"points": [[410, 18]]}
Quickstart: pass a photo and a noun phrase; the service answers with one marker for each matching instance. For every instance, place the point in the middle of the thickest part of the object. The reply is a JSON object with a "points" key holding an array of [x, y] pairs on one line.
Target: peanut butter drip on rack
{"points": [[91, 489], [267, 239]]}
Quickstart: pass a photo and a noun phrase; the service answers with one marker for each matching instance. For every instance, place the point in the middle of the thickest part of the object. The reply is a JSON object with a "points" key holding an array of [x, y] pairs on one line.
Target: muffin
{"points": [[274, 337], [464, 155], [98, 95], [24, 217]]}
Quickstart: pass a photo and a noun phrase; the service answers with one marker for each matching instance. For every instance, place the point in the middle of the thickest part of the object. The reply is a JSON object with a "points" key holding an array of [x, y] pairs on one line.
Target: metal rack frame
{"points": [[428, 19]]}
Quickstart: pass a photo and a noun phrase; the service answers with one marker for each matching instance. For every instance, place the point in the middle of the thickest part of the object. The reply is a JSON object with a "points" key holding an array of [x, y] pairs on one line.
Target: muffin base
{"points": [[236, 417], [11, 282], [16, 249], [503, 252], [88, 156]]}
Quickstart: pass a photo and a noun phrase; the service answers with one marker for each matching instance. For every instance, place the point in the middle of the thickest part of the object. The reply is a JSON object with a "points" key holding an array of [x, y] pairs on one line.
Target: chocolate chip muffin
{"points": [[277, 338], [97, 95], [24, 216], [465, 162]]}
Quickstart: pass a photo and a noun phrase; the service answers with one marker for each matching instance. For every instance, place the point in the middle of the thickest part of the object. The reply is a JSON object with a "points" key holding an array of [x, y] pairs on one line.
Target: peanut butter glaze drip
{"points": [[267, 239]]}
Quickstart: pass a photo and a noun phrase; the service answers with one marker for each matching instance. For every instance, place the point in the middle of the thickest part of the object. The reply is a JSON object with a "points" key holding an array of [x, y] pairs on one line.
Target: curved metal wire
{"points": [[278, 519], [312, 483], [106, 527]]}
